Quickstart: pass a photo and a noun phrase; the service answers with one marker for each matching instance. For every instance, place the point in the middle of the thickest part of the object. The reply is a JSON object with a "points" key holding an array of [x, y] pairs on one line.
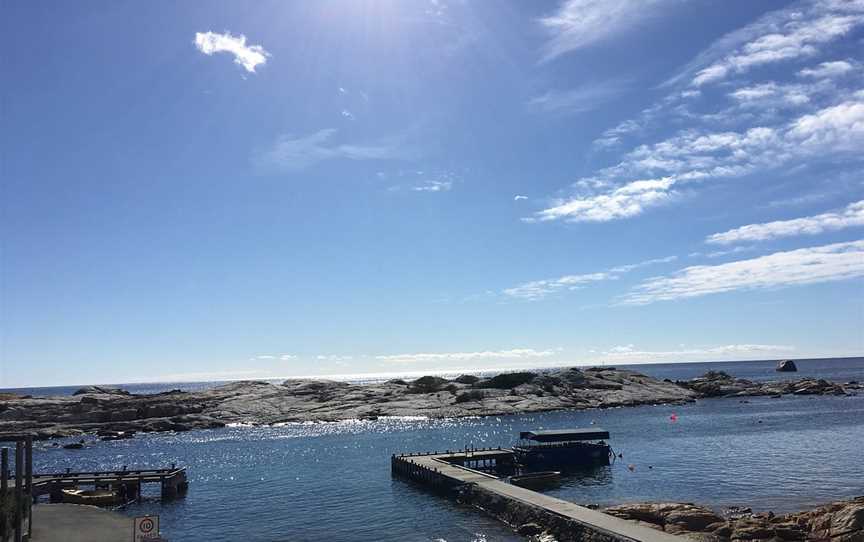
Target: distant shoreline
{"points": [[117, 413], [373, 378]]}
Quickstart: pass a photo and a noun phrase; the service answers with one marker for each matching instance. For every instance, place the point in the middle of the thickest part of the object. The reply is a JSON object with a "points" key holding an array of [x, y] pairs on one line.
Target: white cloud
{"points": [[771, 95], [538, 289], [333, 358], [612, 136], [840, 127], [796, 32], [827, 70], [852, 215], [720, 253], [289, 153], [433, 186], [838, 261], [578, 100], [629, 353], [273, 357], [579, 23], [629, 200], [248, 56], [516, 353], [519, 197], [695, 155]]}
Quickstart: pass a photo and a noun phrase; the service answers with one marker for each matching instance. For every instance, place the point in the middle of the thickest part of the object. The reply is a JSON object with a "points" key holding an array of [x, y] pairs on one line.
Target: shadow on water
{"points": [[575, 477]]}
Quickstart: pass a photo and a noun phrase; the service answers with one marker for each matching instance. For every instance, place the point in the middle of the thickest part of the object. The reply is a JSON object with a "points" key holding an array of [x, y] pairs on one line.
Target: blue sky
{"points": [[234, 190]]}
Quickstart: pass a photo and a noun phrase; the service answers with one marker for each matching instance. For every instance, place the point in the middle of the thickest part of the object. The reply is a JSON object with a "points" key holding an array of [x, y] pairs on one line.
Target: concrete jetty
{"points": [[450, 471]]}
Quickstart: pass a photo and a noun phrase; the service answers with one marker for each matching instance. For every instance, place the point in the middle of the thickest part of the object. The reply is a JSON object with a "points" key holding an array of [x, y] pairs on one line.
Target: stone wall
{"points": [[529, 519]]}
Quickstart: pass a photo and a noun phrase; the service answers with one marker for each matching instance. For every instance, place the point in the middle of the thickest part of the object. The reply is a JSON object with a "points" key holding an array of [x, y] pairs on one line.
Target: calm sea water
{"points": [[331, 481]]}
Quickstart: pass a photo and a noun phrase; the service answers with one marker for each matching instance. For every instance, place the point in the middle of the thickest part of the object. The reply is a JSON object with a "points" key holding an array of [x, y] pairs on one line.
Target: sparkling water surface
{"points": [[331, 481]]}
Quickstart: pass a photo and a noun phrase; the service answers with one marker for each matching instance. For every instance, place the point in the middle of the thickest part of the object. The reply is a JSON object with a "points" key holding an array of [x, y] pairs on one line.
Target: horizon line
{"points": [[434, 372]]}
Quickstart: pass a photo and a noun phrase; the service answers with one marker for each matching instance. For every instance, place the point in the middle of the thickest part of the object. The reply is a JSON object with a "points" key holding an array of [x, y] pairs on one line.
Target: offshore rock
{"points": [[720, 384], [786, 366]]}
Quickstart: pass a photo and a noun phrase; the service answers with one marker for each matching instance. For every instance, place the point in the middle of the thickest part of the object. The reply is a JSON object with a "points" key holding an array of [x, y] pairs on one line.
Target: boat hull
{"points": [[571, 455]]}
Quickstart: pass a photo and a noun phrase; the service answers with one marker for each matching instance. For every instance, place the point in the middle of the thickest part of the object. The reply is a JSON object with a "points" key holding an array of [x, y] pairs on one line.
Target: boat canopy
{"points": [[565, 435]]}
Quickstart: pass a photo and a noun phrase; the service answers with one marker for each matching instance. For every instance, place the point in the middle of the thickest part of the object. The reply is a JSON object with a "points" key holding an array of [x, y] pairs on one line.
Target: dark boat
{"points": [[563, 447]]}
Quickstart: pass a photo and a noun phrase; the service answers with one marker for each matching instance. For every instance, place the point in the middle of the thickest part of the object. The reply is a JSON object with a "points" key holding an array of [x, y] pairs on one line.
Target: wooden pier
{"points": [[172, 482], [451, 471]]}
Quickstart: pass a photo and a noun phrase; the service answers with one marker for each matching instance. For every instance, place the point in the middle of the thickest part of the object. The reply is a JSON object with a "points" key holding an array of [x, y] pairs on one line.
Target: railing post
{"points": [[28, 465], [4, 487], [19, 488]]}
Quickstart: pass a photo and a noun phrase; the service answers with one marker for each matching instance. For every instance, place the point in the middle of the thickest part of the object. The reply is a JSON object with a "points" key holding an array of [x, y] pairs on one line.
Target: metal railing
{"points": [[16, 502]]}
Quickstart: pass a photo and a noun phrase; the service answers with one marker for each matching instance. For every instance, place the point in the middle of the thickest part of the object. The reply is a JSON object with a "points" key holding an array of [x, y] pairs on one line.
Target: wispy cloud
{"points": [[422, 181], [771, 95], [289, 153], [852, 215], [516, 353], [274, 357], [248, 56], [519, 197], [799, 31], [721, 253], [433, 186], [838, 261], [579, 23], [538, 289], [629, 200], [612, 136], [827, 70], [629, 353], [695, 155], [578, 100]]}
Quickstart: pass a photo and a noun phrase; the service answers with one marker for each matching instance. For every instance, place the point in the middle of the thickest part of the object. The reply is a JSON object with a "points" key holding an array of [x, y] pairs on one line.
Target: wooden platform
{"points": [[443, 471], [172, 481]]}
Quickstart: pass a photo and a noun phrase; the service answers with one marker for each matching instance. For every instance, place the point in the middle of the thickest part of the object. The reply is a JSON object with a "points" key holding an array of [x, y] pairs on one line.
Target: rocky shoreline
{"points": [[841, 521], [114, 413]]}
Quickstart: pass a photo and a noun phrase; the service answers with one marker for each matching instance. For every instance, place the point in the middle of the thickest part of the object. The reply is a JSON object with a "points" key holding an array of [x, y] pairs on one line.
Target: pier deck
{"points": [[172, 481], [441, 471]]}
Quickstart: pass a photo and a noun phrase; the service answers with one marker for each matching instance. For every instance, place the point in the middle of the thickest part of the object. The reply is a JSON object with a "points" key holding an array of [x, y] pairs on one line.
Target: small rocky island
{"points": [[116, 413], [786, 366]]}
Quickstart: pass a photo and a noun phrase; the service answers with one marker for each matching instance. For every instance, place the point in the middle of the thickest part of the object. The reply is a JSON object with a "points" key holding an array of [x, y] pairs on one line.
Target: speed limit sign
{"points": [[145, 528]]}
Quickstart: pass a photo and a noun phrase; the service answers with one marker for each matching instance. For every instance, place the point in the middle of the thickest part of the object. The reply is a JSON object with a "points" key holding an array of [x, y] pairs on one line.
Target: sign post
{"points": [[145, 529]]}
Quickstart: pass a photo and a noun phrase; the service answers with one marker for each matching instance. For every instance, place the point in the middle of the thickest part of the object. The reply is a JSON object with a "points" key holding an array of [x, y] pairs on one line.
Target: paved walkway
{"points": [[79, 523], [592, 518]]}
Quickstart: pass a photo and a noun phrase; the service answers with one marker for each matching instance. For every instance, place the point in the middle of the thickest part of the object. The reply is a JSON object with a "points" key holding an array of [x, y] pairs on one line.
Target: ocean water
{"points": [[331, 481]]}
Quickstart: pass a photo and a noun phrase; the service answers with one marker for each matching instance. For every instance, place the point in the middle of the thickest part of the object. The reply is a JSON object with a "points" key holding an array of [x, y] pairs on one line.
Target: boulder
{"points": [[508, 381], [427, 384], [467, 379], [529, 529], [101, 390], [786, 366]]}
